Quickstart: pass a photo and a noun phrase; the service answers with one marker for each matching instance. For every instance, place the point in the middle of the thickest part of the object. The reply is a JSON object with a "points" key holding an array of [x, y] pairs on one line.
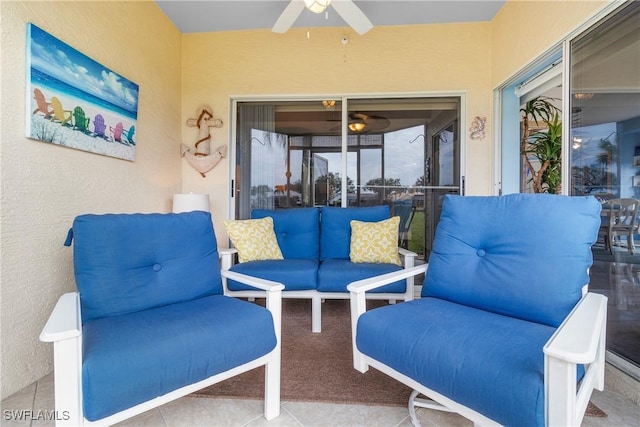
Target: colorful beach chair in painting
{"points": [[128, 136], [80, 121], [99, 128], [60, 114], [42, 104], [116, 133]]}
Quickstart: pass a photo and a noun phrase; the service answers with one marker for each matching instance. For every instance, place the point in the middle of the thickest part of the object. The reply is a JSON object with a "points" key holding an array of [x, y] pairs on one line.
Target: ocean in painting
{"points": [[43, 80]]}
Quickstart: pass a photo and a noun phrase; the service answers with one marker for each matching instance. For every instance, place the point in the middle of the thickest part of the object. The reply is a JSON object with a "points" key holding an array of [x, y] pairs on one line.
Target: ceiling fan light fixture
{"points": [[329, 103], [317, 6], [356, 126], [583, 96]]}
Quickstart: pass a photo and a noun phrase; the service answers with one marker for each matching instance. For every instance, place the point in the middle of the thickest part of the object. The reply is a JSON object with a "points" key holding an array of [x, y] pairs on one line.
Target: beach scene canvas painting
{"points": [[75, 102]]}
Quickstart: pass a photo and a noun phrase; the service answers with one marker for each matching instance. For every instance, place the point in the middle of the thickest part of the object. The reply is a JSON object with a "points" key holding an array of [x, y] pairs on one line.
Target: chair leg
{"points": [[415, 422], [316, 314], [68, 382], [560, 392], [358, 304], [415, 401], [612, 241], [272, 387]]}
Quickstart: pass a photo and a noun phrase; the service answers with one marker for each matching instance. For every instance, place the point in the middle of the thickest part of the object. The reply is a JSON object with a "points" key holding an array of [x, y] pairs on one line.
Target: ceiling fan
{"points": [[361, 122], [345, 8]]}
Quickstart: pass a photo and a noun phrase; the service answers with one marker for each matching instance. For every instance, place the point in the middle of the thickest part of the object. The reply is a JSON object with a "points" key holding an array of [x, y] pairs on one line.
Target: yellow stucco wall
{"points": [[44, 186], [409, 59], [522, 30]]}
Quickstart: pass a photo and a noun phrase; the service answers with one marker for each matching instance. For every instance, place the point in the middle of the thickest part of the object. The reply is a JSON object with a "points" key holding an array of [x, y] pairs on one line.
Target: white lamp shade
{"points": [[190, 202]]}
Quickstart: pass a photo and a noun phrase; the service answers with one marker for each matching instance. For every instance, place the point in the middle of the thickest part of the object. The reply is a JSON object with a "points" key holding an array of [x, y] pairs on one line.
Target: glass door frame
{"points": [[507, 120], [344, 99]]}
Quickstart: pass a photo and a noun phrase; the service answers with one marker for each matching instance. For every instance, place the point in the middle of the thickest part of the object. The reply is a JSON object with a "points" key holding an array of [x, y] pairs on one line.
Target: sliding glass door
{"points": [[404, 153], [599, 99], [543, 81], [604, 147]]}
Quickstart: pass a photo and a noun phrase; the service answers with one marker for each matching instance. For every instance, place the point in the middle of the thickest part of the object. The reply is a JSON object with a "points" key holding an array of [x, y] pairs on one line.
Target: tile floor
{"points": [[193, 411]]}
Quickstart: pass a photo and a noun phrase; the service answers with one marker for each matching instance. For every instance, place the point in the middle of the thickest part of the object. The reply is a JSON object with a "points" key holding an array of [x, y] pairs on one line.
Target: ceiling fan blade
{"points": [[352, 15], [361, 116], [288, 16]]}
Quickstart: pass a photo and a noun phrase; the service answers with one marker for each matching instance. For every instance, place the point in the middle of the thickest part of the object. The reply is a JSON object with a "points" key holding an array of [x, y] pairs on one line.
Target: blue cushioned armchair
{"points": [[150, 322], [505, 329]]}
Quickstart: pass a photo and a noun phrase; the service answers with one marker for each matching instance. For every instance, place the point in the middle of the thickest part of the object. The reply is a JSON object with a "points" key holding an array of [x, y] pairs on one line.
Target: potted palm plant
{"points": [[541, 145]]}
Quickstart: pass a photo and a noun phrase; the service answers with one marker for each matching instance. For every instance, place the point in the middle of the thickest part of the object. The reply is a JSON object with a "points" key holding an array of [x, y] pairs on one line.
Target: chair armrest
{"points": [[580, 339], [262, 284], [364, 285], [64, 329], [358, 302], [407, 253], [273, 295], [576, 339], [408, 256], [226, 257], [65, 321]]}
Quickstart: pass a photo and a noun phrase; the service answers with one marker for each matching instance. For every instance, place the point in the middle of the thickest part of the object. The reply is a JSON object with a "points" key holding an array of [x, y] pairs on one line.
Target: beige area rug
{"points": [[319, 367], [594, 411]]}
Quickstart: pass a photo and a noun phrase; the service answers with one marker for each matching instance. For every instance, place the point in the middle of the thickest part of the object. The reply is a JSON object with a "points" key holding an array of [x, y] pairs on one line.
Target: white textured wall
{"points": [[45, 186]]}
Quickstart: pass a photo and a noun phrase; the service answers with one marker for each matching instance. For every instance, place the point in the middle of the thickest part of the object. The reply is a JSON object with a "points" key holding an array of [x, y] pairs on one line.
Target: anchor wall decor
{"points": [[202, 159]]}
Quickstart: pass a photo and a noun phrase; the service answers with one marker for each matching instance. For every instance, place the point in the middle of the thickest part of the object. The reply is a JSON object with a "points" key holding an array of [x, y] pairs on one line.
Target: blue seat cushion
{"points": [[136, 357], [488, 362], [130, 262], [335, 274], [297, 230], [335, 227], [521, 255], [294, 274]]}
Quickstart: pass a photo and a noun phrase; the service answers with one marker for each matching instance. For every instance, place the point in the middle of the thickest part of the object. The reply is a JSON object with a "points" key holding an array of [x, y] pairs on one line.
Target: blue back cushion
{"points": [[126, 263], [521, 255], [335, 228], [297, 231]]}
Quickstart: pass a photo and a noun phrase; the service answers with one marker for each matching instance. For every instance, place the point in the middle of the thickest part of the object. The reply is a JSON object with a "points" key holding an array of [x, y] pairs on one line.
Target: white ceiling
{"points": [[225, 15]]}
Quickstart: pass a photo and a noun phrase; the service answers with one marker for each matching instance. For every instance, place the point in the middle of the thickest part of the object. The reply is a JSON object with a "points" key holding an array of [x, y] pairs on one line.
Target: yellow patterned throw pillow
{"points": [[254, 239], [375, 241]]}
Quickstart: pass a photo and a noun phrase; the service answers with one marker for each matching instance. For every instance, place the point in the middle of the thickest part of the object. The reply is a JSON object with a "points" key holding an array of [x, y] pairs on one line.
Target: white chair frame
{"points": [[580, 339], [64, 329], [316, 297]]}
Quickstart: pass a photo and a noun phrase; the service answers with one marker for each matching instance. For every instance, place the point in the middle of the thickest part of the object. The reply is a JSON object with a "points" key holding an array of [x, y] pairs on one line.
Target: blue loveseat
{"points": [[315, 244]]}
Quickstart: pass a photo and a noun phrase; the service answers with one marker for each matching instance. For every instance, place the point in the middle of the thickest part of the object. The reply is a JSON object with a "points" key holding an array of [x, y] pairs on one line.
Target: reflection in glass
{"points": [[403, 153], [594, 164], [605, 161]]}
